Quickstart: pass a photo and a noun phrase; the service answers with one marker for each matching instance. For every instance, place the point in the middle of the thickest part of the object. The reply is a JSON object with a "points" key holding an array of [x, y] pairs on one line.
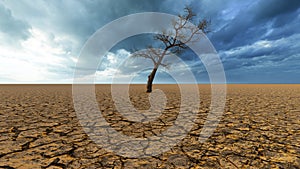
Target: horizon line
{"points": [[132, 83]]}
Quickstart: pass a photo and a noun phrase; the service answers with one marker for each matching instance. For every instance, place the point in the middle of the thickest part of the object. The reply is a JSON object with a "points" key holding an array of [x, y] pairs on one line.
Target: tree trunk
{"points": [[150, 80]]}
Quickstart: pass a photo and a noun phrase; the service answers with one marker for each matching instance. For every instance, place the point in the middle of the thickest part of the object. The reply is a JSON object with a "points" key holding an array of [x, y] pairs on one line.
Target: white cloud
{"points": [[20, 70], [42, 49], [265, 47], [58, 31], [32, 60], [114, 66]]}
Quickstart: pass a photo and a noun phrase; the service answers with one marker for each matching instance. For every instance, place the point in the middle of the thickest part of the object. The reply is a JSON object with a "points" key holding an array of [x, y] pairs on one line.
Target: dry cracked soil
{"points": [[260, 128]]}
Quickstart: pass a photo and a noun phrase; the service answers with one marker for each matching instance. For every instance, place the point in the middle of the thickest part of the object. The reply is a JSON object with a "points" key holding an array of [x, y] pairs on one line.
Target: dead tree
{"points": [[181, 29]]}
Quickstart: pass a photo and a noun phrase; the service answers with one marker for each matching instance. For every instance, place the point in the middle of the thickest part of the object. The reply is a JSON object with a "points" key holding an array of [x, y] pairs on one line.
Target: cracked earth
{"points": [[260, 128]]}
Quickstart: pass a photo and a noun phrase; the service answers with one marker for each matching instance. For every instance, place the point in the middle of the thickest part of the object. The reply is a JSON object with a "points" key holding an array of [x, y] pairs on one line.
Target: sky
{"points": [[258, 41]]}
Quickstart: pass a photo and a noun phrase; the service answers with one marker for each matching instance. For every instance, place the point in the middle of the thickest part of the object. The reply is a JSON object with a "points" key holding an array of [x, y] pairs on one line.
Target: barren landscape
{"points": [[260, 128]]}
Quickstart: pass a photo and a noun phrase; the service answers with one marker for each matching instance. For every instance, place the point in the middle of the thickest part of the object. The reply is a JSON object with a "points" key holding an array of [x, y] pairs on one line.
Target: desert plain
{"points": [[259, 128]]}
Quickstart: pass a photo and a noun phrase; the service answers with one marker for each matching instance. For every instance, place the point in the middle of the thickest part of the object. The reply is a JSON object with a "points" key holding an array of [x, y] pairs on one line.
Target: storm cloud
{"points": [[258, 40], [11, 27]]}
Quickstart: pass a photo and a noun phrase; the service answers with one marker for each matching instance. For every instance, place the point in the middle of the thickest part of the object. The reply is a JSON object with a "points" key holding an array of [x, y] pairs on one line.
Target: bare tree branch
{"points": [[174, 40]]}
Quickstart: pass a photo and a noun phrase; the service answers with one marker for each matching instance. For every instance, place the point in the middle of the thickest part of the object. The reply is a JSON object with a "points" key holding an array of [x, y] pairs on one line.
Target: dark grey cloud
{"points": [[275, 52], [270, 9], [238, 30], [252, 23], [77, 19], [12, 27]]}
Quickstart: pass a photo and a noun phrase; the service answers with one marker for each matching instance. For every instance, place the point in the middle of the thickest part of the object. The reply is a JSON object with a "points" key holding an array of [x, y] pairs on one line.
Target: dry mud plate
{"points": [[259, 129]]}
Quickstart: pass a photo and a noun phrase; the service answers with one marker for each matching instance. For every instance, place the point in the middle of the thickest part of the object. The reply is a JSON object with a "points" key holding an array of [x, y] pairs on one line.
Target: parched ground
{"points": [[260, 128]]}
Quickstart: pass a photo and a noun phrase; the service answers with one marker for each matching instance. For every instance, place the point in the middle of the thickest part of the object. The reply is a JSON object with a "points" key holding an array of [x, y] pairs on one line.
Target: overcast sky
{"points": [[258, 41]]}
